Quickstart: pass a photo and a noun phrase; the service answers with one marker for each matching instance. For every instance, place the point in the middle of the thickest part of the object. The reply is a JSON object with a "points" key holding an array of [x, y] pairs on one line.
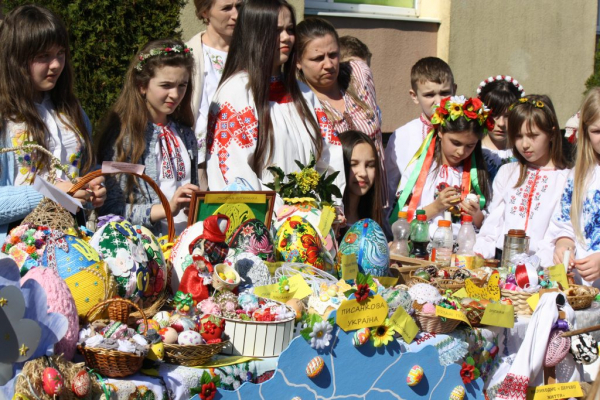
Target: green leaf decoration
{"points": [[470, 361], [476, 373], [305, 333], [349, 293], [206, 378]]}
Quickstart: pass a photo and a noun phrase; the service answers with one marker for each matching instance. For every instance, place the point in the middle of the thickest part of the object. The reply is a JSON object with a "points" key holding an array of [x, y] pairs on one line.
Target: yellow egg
{"points": [[222, 276], [458, 393], [324, 297], [331, 292]]}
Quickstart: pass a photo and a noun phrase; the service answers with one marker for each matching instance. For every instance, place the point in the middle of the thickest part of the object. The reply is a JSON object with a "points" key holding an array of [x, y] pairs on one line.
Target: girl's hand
{"points": [[561, 246], [589, 267], [182, 197], [473, 209], [83, 194], [447, 198], [98, 191]]}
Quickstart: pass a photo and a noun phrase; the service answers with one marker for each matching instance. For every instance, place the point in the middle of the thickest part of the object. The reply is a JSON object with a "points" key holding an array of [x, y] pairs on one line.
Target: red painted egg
{"points": [[53, 382], [80, 386]]}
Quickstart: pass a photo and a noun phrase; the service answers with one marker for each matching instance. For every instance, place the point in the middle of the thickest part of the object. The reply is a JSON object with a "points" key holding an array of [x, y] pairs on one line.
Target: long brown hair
{"points": [[536, 110], [124, 127], [252, 50], [314, 28], [369, 204], [26, 32], [586, 158]]}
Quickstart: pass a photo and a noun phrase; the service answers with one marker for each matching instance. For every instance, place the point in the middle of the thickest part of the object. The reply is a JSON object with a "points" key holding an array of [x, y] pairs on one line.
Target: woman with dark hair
{"points": [[346, 90], [261, 115]]}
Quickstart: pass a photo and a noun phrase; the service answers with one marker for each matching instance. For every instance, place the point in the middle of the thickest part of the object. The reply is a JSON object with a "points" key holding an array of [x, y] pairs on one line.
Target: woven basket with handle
{"points": [[113, 363], [192, 355], [434, 324]]}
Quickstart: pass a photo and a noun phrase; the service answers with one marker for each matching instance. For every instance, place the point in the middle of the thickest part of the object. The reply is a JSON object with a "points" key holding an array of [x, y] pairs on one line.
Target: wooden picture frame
{"points": [[238, 206]]}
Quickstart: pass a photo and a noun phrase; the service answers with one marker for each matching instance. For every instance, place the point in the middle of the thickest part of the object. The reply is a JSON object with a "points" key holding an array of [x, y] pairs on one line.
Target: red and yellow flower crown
{"points": [[458, 106]]}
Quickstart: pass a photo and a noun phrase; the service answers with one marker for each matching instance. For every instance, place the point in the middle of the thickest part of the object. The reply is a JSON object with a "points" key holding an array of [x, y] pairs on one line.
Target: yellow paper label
{"points": [[452, 314], [349, 267], [404, 325], [461, 293], [353, 315], [558, 273], [247, 198], [327, 218], [533, 301], [497, 314], [299, 289], [555, 391], [387, 281]]}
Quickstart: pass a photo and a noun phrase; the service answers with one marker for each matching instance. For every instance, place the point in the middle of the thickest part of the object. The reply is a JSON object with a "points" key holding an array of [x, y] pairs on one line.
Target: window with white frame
{"points": [[397, 8]]}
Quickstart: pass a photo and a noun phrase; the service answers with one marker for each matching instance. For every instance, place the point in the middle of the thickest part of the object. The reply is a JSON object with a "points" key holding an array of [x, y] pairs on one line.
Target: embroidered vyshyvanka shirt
{"points": [[233, 132], [528, 207]]}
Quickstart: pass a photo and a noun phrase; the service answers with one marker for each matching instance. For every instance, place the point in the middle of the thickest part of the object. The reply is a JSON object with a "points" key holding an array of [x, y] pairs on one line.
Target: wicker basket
{"points": [[413, 280], [519, 301], [434, 324], [581, 302], [112, 363], [192, 355], [152, 306]]}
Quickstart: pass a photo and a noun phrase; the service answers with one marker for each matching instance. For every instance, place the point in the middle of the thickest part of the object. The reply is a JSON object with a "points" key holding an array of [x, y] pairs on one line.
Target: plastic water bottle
{"points": [[466, 240], [419, 236], [443, 242], [414, 221], [401, 232]]}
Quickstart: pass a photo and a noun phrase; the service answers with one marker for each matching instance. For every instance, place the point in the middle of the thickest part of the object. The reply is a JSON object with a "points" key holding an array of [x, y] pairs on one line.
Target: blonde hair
{"points": [[586, 159]]}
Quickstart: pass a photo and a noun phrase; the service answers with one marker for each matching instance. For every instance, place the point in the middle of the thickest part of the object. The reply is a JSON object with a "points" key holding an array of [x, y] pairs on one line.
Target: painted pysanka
{"points": [[253, 237], [123, 251], [298, 241], [156, 268], [366, 239]]}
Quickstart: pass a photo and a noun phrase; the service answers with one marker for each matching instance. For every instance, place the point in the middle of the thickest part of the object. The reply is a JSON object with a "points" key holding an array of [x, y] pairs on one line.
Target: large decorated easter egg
{"points": [[298, 241], [53, 382], [78, 264], [123, 251], [25, 244], [366, 239], [189, 338], [180, 253], [81, 384], [315, 367], [152, 279], [253, 237]]}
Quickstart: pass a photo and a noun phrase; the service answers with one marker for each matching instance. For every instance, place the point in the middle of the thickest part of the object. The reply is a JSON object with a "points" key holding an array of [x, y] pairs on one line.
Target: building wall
{"points": [[547, 45]]}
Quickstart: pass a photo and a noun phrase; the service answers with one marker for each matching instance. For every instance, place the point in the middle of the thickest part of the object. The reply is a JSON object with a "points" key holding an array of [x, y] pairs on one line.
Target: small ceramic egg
{"points": [[332, 291], [80, 385], [458, 393], [189, 338], [423, 275], [415, 375], [162, 317], [314, 367], [361, 337], [472, 197], [168, 335], [298, 306], [152, 324], [428, 308], [181, 324], [53, 382]]}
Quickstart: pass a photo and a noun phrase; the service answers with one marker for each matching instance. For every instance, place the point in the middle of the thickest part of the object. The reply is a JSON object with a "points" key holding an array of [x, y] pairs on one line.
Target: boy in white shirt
{"points": [[431, 80]]}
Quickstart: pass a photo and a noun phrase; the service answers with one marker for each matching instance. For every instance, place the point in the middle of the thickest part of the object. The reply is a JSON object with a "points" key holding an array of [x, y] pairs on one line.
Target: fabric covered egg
{"points": [[152, 324], [253, 236], [361, 337], [162, 317], [123, 251], [81, 384], [366, 239], [428, 308], [315, 367], [415, 375], [168, 335], [156, 267], [298, 241], [180, 253], [458, 393], [89, 279], [189, 338], [60, 300], [53, 382], [181, 324]]}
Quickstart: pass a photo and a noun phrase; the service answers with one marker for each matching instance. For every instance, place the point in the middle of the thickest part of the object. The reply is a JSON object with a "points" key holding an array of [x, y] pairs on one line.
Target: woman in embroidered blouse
{"points": [[37, 104], [159, 82], [526, 191], [261, 115], [346, 90], [209, 49]]}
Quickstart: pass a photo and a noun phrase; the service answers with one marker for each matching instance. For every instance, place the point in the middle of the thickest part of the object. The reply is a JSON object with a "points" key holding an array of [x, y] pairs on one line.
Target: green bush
{"points": [[104, 35], [594, 79]]}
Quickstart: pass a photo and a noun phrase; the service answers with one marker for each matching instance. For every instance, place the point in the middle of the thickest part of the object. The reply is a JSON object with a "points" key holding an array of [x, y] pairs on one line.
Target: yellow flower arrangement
{"points": [[383, 334]]}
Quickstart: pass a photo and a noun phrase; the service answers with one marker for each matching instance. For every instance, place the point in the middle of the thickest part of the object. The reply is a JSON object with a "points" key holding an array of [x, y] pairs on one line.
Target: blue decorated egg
{"points": [[152, 280], [298, 241], [366, 239], [253, 236]]}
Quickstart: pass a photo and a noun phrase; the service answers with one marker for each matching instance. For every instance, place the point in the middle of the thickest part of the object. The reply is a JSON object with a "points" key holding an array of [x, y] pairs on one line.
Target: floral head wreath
{"points": [[459, 107], [177, 49], [506, 78], [524, 100]]}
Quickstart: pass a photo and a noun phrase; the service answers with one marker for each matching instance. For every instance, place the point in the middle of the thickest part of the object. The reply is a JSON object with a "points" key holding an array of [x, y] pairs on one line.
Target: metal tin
{"points": [[515, 242]]}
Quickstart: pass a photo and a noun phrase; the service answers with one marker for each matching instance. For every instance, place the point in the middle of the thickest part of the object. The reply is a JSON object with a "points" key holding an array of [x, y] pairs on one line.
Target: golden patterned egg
{"points": [[458, 393], [314, 367], [415, 375]]}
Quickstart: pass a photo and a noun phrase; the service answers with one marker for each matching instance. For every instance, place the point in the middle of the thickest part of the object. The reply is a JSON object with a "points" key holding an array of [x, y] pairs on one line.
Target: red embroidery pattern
{"points": [[278, 94], [513, 387], [528, 197], [327, 131]]}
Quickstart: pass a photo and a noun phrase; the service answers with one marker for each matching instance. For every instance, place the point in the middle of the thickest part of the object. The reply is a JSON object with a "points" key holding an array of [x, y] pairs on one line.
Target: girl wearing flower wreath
{"points": [[260, 115], [150, 124], [209, 49], [448, 172], [38, 106], [527, 191], [498, 93]]}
